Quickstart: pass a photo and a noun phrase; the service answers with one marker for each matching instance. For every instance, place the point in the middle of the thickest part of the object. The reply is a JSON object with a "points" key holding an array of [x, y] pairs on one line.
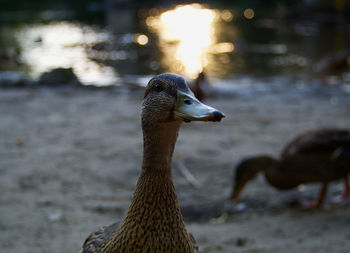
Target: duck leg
{"points": [[346, 193], [345, 196], [317, 203]]}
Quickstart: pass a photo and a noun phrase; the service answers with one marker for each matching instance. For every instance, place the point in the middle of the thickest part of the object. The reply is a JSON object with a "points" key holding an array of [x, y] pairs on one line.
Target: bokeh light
{"points": [[227, 15], [141, 39], [249, 13]]}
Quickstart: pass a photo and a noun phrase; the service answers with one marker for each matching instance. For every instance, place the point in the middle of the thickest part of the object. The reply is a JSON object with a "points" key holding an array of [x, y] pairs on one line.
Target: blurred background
{"points": [[118, 42], [70, 150]]}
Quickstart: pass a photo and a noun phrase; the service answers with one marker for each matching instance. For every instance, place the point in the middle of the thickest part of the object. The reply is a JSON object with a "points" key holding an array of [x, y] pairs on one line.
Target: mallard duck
{"points": [[333, 67], [154, 222], [199, 86], [318, 156]]}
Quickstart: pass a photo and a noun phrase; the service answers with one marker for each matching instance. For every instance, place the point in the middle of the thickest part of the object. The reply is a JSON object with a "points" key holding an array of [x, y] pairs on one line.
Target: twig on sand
{"points": [[186, 173]]}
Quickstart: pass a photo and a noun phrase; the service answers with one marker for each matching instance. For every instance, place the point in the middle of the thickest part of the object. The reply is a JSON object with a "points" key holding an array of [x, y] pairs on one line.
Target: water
{"points": [[230, 45]]}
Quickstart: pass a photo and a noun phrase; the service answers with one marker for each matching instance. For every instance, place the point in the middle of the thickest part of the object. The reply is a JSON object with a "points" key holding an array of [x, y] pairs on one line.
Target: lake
{"points": [[232, 45]]}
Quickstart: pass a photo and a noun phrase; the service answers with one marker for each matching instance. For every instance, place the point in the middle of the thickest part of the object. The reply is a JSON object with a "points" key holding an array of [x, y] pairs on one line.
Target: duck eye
{"points": [[187, 101], [158, 87]]}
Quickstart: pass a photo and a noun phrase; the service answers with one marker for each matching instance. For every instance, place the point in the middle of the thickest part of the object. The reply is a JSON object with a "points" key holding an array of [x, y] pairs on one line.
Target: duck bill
{"points": [[236, 193], [189, 108]]}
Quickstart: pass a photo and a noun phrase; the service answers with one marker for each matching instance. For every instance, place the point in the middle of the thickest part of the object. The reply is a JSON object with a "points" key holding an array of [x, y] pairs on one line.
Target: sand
{"points": [[70, 158]]}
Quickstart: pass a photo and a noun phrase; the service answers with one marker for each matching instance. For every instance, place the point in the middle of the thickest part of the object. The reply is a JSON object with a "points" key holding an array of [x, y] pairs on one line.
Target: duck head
{"points": [[168, 98], [246, 170]]}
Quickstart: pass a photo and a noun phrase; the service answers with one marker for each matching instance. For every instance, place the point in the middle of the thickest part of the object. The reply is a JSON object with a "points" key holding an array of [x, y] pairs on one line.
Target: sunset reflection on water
{"points": [[63, 45], [188, 36]]}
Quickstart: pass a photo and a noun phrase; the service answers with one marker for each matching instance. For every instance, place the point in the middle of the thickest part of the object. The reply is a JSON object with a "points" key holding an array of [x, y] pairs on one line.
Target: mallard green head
{"points": [[168, 98]]}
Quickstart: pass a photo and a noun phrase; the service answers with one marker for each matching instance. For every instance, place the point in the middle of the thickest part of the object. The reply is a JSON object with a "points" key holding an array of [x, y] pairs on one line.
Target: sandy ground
{"points": [[69, 161]]}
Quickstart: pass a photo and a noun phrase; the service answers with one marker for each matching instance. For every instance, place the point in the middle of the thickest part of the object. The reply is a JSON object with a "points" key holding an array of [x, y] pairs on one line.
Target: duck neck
{"points": [[155, 198], [272, 176], [267, 165], [275, 176], [158, 146]]}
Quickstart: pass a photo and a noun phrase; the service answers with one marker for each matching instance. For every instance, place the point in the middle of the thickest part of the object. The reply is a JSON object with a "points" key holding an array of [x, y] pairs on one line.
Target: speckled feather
{"points": [[153, 224], [99, 238]]}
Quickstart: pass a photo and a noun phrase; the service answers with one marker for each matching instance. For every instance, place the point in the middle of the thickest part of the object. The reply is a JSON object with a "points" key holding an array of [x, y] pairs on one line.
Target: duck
{"points": [[316, 156], [200, 86], [154, 222], [333, 67]]}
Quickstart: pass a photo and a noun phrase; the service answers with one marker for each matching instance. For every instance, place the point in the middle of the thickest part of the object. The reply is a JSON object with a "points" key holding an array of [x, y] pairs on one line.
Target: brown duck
{"points": [[200, 86], [318, 156], [154, 222]]}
